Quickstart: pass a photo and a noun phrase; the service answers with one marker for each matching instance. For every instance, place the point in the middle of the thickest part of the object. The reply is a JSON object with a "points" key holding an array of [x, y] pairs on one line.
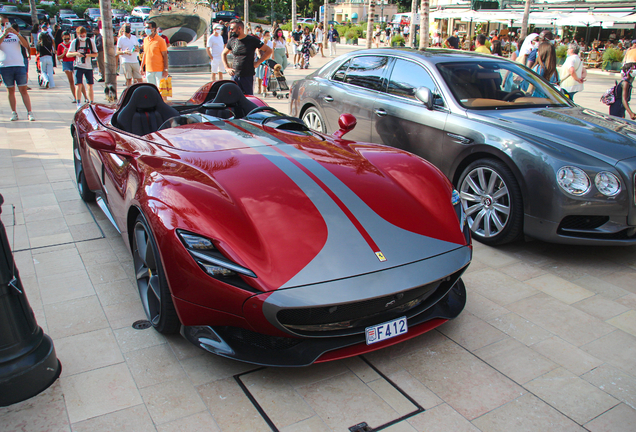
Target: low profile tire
{"points": [[313, 120], [151, 280], [82, 187], [492, 201]]}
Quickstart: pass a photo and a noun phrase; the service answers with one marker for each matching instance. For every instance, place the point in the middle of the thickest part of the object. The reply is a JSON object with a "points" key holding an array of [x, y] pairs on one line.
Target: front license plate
{"points": [[386, 330]]}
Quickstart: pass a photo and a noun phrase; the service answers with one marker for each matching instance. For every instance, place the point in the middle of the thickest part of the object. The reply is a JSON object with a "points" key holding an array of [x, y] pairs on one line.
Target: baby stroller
{"points": [[39, 70], [275, 84]]}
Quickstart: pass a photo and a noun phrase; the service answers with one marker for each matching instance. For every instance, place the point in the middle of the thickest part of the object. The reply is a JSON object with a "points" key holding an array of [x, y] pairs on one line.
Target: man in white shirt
{"points": [[12, 66], [215, 50], [83, 49], [127, 49]]}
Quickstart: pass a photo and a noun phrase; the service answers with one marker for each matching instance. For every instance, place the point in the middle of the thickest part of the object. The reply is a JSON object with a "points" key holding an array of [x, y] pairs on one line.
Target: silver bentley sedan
{"points": [[526, 160]]}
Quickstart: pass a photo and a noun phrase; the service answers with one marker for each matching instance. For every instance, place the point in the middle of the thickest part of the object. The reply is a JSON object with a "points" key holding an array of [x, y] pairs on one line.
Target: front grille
{"points": [[350, 311], [257, 339], [582, 223], [351, 318]]}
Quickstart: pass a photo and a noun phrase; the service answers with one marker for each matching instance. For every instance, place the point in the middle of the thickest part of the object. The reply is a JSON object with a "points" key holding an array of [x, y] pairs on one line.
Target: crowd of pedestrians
{"points": [[146, 58]]}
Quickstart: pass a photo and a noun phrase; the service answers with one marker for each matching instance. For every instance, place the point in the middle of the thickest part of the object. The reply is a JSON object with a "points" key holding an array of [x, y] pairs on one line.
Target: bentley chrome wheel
{"points": [[492, 201], [313, 120]]}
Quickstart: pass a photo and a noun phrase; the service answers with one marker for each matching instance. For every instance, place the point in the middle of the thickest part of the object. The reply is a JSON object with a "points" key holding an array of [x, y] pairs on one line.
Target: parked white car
{"points": [[136, 23], [142, 12]]}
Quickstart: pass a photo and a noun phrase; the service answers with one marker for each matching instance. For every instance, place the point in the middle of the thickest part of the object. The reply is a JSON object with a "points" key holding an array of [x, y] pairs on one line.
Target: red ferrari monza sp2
{"points": [[264, 241]]}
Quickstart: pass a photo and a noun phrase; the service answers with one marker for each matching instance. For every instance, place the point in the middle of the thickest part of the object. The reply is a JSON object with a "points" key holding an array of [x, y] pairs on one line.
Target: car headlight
{"points": [[573, 180], [209, 258], [607, 183]]}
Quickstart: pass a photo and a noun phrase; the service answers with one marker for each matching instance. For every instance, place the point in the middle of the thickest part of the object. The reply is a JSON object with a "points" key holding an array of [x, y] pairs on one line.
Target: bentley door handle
{"points": [[380, 112], [328, 99]]}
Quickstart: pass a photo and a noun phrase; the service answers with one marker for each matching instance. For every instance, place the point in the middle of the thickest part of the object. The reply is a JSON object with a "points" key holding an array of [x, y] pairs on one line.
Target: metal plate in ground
{"points": [[338, 395]]}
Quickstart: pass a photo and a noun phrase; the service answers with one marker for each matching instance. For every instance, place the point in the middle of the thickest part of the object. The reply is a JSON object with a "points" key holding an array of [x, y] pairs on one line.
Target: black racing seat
{"points": [[232, 96], [144, 112]]}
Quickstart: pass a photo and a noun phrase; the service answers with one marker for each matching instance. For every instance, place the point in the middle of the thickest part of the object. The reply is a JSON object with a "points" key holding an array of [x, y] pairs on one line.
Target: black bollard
{"points": [[28, 364]]}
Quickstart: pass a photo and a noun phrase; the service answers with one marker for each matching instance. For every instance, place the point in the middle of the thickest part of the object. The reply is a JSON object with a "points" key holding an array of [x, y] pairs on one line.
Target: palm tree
{"points": [[370, 16], [424, 24], [411, 41], [110, 59], [34, 17], [293, 14], [524, 21]]}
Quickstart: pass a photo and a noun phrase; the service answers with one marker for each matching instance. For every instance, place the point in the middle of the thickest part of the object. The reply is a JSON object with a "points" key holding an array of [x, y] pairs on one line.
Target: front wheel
{"points": [[151, 280], [492, 201], [313, 120]]}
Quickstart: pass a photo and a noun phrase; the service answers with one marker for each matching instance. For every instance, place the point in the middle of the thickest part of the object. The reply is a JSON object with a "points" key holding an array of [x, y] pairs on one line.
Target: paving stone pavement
{"points": [[547, 341]]}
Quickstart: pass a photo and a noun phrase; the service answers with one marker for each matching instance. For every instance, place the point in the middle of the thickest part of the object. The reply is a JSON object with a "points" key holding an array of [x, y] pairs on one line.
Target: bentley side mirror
{"points": [[346, 122], [424, 95]]}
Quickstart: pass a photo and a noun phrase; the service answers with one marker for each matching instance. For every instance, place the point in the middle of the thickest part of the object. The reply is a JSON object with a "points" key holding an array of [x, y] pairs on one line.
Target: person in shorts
{"points": [[12, 66], [215, 47], [297, 37], [155, 58], [83, 50], [127, 49], [67, 62]]}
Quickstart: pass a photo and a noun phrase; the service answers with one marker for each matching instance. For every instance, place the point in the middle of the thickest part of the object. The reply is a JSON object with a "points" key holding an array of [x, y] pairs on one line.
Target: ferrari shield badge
{"points": [[380, 256]]}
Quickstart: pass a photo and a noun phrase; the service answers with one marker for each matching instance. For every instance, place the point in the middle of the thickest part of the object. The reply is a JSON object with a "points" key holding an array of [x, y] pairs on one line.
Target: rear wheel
{"points": [[85, 193], [313, 120], [492, 201], [151, 280]]}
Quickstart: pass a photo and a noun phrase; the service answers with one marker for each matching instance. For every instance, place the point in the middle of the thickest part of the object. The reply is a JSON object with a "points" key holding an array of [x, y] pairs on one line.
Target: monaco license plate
{"points": [[386, 330]]}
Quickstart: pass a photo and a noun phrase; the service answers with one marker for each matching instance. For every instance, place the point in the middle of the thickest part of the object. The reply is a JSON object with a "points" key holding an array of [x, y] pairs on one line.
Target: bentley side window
{"points": [[367, 72], [407, 77], [341, 72]]}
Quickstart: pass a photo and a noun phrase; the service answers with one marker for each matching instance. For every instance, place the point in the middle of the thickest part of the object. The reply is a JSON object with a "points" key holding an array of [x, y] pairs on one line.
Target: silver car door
{"points": [[402, 121]]}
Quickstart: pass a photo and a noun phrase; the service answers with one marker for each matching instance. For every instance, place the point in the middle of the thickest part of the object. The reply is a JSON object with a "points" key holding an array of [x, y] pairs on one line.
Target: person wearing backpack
{"points": [[45, 51], [83, 50], [623, 93]]}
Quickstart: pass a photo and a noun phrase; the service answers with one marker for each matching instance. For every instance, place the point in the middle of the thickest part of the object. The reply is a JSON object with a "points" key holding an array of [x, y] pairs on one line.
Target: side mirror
{"points": [[346, 122], [101, 140], [424, 95]]}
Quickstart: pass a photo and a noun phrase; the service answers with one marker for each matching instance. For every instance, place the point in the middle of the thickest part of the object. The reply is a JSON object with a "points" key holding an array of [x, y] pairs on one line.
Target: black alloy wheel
{"points": [[492, 202], [151, 280], [85, 193]]}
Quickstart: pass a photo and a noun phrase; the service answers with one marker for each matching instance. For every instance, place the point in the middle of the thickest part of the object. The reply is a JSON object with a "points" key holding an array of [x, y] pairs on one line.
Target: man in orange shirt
{"points": [[155, 59], [630, 54]]}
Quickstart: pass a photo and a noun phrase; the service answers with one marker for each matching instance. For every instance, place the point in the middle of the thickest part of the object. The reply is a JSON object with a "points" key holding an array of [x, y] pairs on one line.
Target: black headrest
{"points": [[229, 94], [146, 98]]}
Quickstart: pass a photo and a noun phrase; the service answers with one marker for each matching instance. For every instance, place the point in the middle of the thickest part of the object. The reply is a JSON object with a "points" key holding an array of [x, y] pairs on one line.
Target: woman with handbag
{"points": [[307, 47], [573, 72]]}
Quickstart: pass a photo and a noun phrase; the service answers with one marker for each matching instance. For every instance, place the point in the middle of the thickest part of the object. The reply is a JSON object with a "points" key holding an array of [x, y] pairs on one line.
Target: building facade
{"points": [[356, 11]]}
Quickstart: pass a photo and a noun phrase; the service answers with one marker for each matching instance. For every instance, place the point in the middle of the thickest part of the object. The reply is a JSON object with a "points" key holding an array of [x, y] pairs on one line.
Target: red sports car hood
{"points": [[299, 210]]}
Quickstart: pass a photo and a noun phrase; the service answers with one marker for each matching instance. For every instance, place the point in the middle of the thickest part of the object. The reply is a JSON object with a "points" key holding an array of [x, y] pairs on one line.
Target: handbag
{"points": [[165, 86], [609, 97], [312, 50]]}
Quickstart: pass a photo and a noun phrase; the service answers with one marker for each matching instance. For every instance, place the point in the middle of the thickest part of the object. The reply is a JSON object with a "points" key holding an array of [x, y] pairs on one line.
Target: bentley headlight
{"points": [[607, 183], [573, 180]]}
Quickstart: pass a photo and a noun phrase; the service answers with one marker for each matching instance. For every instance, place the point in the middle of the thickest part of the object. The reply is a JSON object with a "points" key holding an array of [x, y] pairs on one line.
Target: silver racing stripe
{"points": [[399, 246]]}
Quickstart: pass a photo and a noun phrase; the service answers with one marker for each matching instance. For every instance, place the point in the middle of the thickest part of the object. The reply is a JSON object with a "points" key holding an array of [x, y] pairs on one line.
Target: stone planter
{"points": [[352, 41], [613, 66]]}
